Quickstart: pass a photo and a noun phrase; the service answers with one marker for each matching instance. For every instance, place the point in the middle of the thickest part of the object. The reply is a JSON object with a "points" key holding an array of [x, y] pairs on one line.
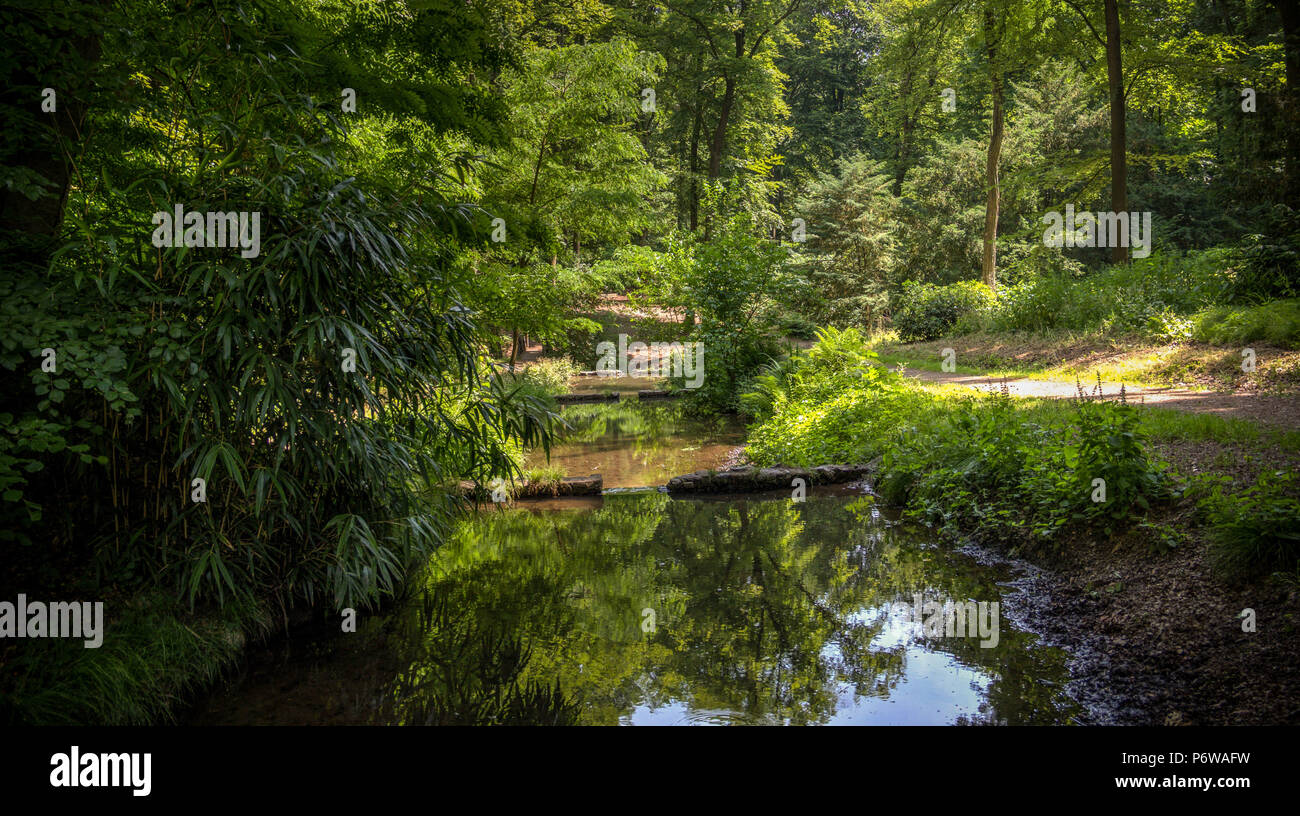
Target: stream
{"points": [[637, 608]]}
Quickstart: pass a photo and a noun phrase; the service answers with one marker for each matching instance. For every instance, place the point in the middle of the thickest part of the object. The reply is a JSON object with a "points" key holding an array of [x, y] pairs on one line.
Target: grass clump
{"points": [[154, 656], [1277, 323], [1256, 531]]}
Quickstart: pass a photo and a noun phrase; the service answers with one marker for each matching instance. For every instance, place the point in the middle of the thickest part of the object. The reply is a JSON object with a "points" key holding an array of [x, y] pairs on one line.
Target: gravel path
{"points": [[1276, 410]]}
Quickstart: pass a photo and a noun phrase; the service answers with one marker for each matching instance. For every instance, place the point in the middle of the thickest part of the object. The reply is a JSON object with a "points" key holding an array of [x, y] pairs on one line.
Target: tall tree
{"points": [[993, 35], [1111, 43], [1118, 136], [723, 77], [1289, 10]]}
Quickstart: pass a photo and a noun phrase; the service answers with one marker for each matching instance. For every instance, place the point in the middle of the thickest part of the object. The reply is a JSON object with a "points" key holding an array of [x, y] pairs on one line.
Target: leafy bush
{"points": [[924, 311], [840, 360], [1257, 530], [1146, 296], [1109, 446], [975, 464], [1267, 268], [315, 387], [551, 375], [1277, 323], [796, 325], [629, 268], [730, 284]]}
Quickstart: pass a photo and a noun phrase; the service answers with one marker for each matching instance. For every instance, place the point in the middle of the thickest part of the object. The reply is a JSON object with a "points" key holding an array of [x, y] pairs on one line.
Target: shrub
{"points": [[1148, 296], [1256, 531], [1266, 268], [796, 325], [978, 465], [730, 283], [551, 375], [926, 312], [1277, 323], [629, 268]]}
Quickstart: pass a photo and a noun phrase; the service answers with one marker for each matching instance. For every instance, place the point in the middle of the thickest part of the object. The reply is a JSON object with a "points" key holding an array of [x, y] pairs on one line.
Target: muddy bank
{"points": [[1156, 638], [1159, 639]]}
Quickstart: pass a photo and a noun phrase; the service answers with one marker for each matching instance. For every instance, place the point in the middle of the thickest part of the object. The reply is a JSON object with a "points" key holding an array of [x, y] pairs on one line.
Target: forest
{"points": [[295, 294]]}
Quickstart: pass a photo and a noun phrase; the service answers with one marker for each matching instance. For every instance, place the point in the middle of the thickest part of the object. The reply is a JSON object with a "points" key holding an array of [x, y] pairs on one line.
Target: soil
{"points": [[1157, 639]]}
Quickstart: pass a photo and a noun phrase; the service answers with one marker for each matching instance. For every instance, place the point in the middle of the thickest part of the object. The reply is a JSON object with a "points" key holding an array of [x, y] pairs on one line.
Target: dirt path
{"points": [[1276, 410]]}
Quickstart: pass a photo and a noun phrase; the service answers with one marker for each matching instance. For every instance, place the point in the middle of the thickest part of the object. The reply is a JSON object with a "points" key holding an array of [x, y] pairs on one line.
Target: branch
{"points": [[1086, 21], [793, 5], [707, 33]]}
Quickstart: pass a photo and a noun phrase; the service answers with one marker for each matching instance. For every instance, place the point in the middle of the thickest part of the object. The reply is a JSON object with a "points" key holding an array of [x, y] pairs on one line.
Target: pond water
{"points": [[635, 444], [638, 608]]}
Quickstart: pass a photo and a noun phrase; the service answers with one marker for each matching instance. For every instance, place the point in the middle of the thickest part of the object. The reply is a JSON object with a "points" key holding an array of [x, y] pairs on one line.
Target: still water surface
{"points": [[637, 608]]}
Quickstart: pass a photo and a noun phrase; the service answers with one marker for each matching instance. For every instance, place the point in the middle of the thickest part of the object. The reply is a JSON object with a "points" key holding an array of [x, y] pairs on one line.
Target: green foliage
{"points": [[549, 376], [973, 465], [1277, 323], [1256, 531], [729, 283], [629, 269], [1268, 268], [796, 325], [924, 311], [154, 657], [1146, 296], [850, 254], [1110, 446], [183, 363]]}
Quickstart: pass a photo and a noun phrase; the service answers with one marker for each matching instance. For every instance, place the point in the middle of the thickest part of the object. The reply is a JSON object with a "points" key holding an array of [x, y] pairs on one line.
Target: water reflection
{"points": [[652, 610], [633, 444]]}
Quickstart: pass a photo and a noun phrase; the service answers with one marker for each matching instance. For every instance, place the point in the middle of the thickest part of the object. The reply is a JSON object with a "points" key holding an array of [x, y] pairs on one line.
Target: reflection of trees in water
{"points": [[761, 607], [466, 674]]}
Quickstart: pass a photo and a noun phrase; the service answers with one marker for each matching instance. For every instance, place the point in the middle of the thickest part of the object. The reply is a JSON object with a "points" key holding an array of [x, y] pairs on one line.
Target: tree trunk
{"points": [[990, 263], [49, 150], [719, 141], [1290, 13], [904, 143], [1118, 136], [695, 169]]}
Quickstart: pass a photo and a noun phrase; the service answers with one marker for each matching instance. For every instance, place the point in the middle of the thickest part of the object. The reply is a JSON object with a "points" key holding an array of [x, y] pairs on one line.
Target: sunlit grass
{"points": [[1182, 365]]}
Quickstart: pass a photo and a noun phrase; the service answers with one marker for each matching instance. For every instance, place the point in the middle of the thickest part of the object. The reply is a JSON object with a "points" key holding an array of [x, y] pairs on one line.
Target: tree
{"points": [[573, 171], [1111, 43], [993, 36], [722, 79]]}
